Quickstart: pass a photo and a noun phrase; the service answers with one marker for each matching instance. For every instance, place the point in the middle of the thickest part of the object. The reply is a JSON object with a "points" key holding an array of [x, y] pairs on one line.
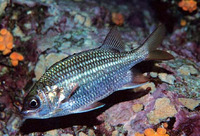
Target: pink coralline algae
{"points": [[187, 123]]}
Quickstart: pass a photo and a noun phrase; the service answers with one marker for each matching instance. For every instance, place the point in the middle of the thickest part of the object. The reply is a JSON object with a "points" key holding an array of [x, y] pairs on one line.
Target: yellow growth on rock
{"points": [[163, 110], [189, 103], [137, 107]]}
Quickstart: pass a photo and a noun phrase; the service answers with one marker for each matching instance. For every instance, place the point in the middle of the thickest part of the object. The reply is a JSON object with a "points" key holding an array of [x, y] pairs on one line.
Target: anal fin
{"points": [[130, 86], [137, 79]]}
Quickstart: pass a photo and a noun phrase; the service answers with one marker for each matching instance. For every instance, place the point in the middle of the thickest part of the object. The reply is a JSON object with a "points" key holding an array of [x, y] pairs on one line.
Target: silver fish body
{"points": [[76, 83]]}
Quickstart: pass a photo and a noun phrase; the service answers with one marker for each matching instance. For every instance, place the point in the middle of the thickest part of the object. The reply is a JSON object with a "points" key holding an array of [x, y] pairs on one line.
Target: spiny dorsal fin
{"points": [[155, 38], [113, 41]]}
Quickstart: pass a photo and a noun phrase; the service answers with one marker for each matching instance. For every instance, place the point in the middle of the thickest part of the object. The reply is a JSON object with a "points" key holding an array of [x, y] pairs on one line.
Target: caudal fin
{"points": [[159, 55], [154, 39]]}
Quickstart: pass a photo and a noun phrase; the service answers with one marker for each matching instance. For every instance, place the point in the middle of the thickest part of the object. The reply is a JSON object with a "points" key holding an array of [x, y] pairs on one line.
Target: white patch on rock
{"points": [[167, 78], [187, 70], [3, 5], [189, 103]]}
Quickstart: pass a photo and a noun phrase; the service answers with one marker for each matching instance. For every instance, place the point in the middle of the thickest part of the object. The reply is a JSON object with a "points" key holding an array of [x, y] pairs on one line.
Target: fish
{"points": [[78, 82]]}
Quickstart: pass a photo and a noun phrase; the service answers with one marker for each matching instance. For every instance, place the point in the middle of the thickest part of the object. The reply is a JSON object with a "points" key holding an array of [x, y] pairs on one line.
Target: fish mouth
{"points": [[28, 114], [25, 113]]}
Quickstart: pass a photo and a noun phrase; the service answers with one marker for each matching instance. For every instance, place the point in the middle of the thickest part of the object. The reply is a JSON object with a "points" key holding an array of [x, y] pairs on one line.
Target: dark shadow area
{"points": [[88, 118], [42, 125], [161, 11], [149, 66]]}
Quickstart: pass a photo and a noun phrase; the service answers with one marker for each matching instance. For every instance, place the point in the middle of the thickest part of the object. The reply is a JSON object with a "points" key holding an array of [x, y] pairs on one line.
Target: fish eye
{"points": [[34, 103]]}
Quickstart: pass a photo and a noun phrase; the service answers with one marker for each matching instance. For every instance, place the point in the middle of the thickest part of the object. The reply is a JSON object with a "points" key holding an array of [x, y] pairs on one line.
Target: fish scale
{"points": [[114, 75], [53, 72], [110, 64], [89, 69], [87, 93], [76, 83]]}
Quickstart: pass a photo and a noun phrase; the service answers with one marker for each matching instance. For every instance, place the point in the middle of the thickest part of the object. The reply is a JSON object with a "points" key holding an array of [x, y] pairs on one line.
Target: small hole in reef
{"points": [[171, 122]]}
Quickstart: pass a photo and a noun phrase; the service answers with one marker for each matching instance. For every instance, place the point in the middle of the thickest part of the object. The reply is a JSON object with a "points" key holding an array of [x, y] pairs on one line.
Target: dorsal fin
{"points": [[113, 41]]}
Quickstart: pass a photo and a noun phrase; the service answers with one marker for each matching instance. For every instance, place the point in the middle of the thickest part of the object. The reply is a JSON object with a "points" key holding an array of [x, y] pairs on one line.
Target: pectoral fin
{"points": [[90, 107], [74, 89]]}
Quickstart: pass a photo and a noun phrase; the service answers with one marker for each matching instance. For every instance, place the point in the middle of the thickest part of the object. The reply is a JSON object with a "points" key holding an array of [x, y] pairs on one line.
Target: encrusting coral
{"points": [[188, 5]]}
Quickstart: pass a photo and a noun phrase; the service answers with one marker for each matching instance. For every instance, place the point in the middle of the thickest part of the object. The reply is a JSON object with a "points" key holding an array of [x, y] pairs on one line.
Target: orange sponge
{"points": [[6, 45], [138, 134], [117, 18], [6, 41], [6, 51], [188, 5], [150, 132], [161, 131], [15, 57], [14, 62]]}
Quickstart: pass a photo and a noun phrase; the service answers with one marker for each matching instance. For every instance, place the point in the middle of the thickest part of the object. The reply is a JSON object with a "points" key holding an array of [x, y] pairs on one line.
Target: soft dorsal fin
{"points": [[113, 41]]}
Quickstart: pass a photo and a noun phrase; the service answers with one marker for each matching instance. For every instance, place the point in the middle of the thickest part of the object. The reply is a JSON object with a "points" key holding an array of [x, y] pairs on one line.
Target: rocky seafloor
{"points": [[45, 31]]}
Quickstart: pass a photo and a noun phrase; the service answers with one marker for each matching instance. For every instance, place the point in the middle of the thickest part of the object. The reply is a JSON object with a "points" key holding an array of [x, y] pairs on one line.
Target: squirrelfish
{"points": [[77, 83]]}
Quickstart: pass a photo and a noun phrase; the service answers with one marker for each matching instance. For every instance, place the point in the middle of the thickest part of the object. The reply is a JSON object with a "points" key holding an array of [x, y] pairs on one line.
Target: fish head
{"points": [[35, 104]]}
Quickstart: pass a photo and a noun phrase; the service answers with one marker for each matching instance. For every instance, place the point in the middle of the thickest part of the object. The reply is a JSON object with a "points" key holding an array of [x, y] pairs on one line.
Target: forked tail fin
{"points": [[154, 39], [152, 42]]}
